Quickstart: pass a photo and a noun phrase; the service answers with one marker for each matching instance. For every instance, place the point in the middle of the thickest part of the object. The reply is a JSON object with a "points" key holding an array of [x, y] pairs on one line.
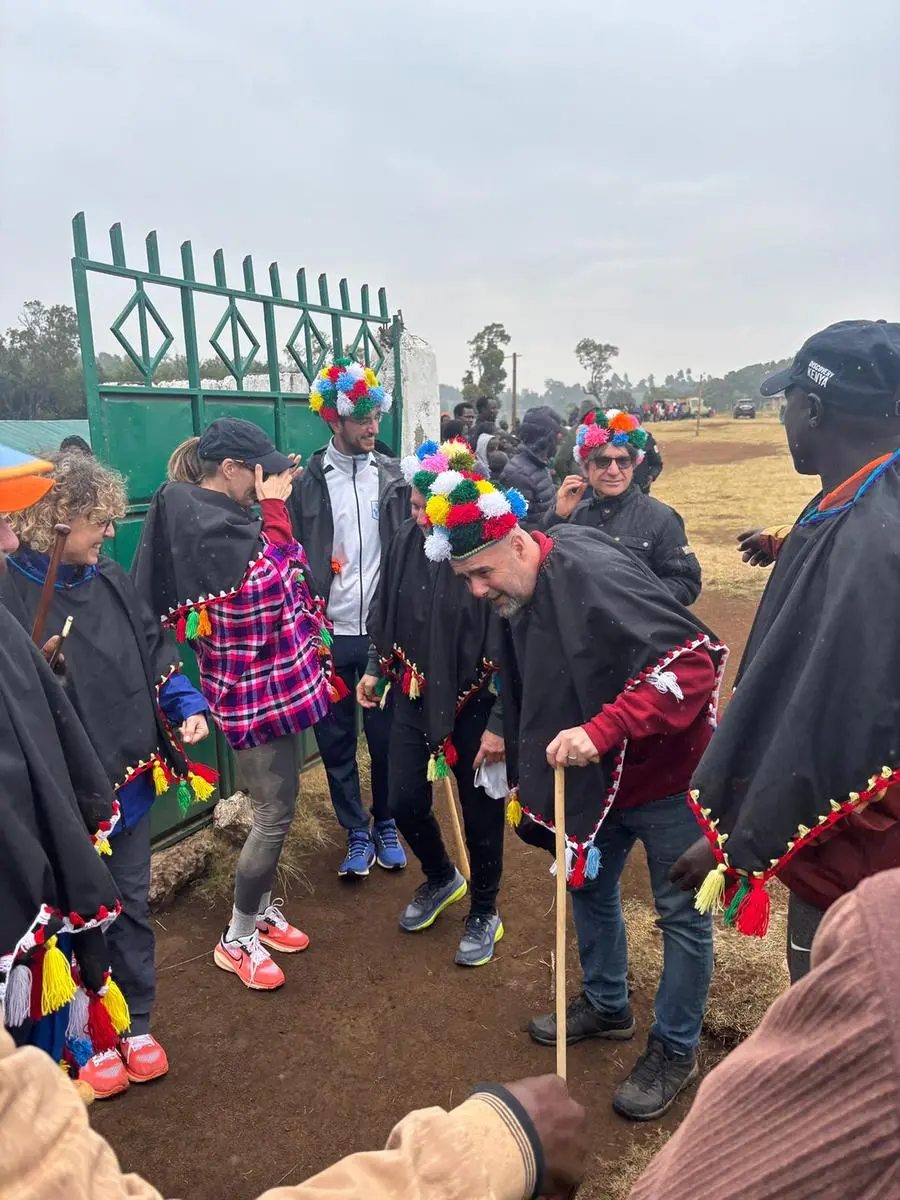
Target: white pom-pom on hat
{"points": [[409, 467], [446, 482], [437, 546], [356, 371], [493, 504], [387, 402], [344, 404]]}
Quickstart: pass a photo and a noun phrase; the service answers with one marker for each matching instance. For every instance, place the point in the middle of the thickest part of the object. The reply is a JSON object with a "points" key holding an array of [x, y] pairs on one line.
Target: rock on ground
{"points": [[179, 865], [232, 818]]}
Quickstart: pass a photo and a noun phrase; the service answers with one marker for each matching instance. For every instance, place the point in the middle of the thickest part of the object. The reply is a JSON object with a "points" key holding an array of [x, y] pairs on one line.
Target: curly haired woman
{"points": [[123, 679]]}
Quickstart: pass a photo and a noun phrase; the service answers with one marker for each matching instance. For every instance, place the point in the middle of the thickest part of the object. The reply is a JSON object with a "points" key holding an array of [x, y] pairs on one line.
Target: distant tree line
{"points": [[41, 376], [486, 376]]}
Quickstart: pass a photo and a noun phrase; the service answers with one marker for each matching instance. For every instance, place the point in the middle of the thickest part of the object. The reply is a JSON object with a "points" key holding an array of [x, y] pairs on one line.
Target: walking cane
{"points": [[461, 851], [46, 599], [559, 821]]}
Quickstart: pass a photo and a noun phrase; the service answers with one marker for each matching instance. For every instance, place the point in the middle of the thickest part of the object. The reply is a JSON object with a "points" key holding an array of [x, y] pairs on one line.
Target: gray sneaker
{"points": [[582, 1022], [430, 901], [657, 1079], [478, 942]]}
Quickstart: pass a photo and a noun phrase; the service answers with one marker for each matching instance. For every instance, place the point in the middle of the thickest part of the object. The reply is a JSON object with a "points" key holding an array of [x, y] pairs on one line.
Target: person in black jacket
{"points": [[346, 507], [529, 470], [649, 469], [606, 497]]}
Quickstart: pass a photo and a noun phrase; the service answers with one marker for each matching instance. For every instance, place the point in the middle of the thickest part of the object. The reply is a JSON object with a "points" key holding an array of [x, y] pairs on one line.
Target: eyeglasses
{"points": [[603, 463]]}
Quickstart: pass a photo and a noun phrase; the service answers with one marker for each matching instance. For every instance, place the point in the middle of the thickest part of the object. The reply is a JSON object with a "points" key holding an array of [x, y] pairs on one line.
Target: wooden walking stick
{"points": [[40, 617], [559, 821], [461, 851]]}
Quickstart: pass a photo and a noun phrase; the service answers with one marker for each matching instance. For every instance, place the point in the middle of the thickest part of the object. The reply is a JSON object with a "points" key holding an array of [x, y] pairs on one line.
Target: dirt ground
{"points": [[266, 1089]]}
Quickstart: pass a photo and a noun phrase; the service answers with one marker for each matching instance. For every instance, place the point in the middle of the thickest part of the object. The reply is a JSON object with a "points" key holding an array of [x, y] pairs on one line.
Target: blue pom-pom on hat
{"points": [[518, 505]]}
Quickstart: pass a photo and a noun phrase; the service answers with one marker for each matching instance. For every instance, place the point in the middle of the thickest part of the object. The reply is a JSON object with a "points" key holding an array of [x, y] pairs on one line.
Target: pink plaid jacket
{"points": [[260, 668]]}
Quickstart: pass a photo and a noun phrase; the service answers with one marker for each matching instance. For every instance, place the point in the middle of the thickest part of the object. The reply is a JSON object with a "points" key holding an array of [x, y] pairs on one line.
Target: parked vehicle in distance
{"points": [[744, 408]]}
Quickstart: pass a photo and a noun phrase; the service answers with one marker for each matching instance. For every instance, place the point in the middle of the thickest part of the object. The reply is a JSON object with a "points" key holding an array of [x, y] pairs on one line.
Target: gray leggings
{"points": [[271, 776]]}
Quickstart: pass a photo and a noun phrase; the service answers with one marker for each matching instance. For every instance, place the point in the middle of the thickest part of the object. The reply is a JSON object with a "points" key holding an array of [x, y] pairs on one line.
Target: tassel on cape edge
{"points": [[116, 1005], [711, 891], [752, 917], [514, 812], [57, 985]]}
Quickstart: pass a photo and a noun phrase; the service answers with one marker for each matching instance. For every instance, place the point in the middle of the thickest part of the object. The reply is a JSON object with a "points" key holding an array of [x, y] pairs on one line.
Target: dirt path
{"points": [[267, 1089]]}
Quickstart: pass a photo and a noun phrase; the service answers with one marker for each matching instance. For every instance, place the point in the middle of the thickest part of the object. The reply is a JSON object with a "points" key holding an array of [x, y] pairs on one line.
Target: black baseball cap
{"points": [[853, 365], [230, 437]]}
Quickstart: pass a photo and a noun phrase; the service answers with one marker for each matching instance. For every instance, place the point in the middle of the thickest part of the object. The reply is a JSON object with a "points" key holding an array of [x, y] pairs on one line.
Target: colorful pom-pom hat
{"points": [[466, 512], [348, 389], [611, 427]]}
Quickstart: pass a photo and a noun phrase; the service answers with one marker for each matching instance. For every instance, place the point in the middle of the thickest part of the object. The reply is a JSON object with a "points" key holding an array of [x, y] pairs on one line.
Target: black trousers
{"points": [[336, 738], [802, 925], [130, 937], [411, 799]]}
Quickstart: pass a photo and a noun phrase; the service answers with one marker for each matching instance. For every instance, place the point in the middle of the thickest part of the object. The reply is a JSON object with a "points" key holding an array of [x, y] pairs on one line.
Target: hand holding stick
{"points": [[46, 599], [559, 820], [461, 851]]}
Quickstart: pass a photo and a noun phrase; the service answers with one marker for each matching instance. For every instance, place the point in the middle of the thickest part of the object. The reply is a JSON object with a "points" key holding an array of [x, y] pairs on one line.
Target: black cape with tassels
{"points": [[56, 804], [423, 620], [599, 621], [196, 544], [813, 729], [116, 657]]}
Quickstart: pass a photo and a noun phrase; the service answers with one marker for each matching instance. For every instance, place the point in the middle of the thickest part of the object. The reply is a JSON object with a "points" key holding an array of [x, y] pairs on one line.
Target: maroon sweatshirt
{"points": [[666, 735]]}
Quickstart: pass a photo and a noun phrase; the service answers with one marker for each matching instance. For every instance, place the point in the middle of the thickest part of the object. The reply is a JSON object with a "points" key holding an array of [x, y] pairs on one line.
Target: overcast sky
{"points": [[701, 183]]}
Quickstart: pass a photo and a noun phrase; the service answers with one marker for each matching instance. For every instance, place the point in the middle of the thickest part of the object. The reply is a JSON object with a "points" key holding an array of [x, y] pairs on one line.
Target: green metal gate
{"points": [[135, 426]]}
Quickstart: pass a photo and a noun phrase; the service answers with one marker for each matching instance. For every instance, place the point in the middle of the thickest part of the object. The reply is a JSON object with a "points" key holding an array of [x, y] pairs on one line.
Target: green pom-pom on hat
{"points": [[464, 493]]}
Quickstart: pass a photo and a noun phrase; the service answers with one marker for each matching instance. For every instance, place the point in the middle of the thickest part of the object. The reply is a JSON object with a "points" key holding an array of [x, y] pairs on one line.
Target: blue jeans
{"points": [[666, 827], [336, 738]]}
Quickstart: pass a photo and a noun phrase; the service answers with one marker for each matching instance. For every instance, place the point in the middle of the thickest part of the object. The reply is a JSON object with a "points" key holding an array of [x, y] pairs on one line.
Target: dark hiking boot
{"points": [[659, 1076], [583, 1022]]}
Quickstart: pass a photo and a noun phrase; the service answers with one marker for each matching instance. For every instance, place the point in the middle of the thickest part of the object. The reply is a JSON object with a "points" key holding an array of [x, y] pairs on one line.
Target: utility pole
{"points": [[515, 358], [699, 402], [515, 362]]}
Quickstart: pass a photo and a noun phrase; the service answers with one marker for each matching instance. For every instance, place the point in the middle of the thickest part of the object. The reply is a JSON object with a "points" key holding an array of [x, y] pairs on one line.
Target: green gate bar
{"points": [[135, 426]]}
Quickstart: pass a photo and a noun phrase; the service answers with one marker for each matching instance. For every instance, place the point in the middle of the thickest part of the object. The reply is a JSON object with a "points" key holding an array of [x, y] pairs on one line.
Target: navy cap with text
{"points": [[852, 365]]}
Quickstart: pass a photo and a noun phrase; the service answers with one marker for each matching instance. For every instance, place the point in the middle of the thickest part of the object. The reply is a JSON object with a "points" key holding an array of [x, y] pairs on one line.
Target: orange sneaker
{"points": [[277, 933], [251, 962], [106, 1074], [144, 1058]]}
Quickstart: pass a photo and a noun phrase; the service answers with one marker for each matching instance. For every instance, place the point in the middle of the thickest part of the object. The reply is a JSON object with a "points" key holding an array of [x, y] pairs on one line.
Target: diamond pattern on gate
{"points": [[238, 365], [310, 364], [145, 307], [373, 353]]}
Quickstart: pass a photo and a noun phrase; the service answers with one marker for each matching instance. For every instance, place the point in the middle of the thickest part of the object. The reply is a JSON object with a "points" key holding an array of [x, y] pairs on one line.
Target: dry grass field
{"points": [[737, 475]]}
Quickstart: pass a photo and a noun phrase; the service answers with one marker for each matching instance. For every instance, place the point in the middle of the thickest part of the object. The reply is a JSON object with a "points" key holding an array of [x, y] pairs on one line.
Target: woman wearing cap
{"points": [[608, 447], [235, 587], [123, 679]]}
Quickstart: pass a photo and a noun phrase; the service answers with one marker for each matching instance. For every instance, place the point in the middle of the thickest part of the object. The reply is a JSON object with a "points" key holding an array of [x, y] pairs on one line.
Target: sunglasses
{"points": [[250, 467], [603, 463]]}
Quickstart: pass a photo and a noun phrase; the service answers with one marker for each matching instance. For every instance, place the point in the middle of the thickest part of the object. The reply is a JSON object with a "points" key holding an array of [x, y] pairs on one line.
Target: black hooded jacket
{"points": [[649, 529]]}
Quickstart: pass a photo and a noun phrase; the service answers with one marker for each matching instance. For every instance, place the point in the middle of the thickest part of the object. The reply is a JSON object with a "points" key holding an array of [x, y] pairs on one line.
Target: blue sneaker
{"points": [[388, 851], [360, 855]]}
